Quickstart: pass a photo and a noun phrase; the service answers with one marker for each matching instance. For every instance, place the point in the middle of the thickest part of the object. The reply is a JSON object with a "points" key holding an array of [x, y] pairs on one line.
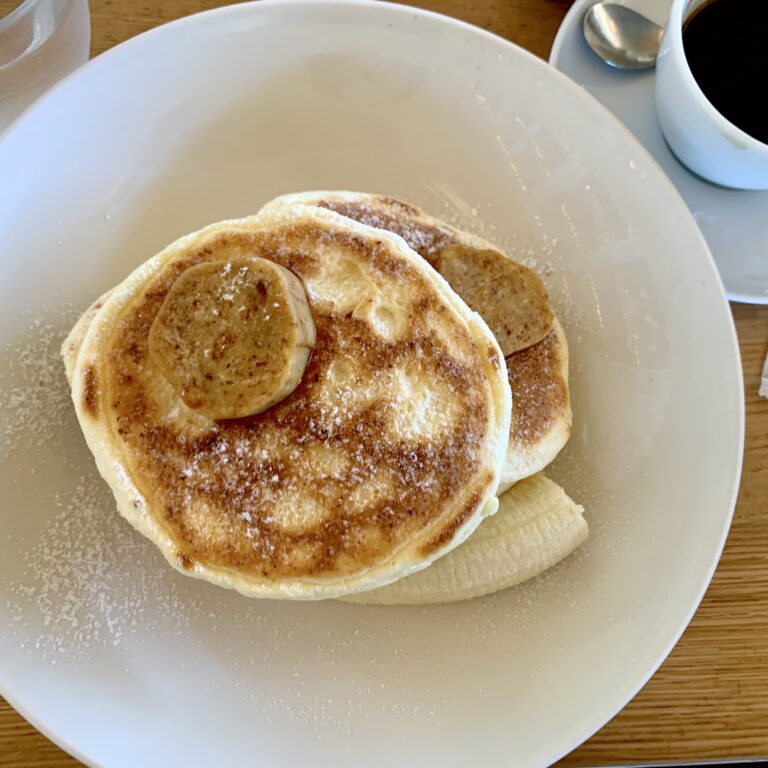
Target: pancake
{"points": [[538, 374], [71, 346], [386, 455], [541, 411], [537, 526]]}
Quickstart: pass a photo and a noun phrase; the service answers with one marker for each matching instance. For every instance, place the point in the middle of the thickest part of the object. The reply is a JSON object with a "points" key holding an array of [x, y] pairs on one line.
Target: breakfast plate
{"points": [[734, 222], [121, 660]]}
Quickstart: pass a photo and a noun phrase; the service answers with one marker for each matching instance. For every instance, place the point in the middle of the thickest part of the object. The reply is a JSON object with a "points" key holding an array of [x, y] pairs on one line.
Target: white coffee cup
{"points": [[704, 140]]}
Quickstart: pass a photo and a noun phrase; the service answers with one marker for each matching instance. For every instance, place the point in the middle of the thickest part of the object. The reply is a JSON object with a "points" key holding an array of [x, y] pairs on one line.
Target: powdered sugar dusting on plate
{"points": [[35, 398], [87, 578]]}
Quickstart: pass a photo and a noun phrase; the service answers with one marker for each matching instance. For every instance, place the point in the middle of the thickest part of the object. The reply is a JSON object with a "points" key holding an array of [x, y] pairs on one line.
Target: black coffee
{"points": [[726, 44]]}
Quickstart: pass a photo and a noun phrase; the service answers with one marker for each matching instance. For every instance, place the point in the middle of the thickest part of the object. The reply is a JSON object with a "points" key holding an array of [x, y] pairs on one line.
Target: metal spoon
{"points": [[622, 37]]}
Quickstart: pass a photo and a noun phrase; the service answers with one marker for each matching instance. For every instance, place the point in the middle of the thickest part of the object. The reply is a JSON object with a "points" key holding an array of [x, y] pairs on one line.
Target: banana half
{"points": [[537, 525]]}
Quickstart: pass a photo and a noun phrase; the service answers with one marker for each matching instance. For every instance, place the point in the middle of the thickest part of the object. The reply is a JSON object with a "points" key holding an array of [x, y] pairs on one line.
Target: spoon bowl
{"points": [[622, 37]]}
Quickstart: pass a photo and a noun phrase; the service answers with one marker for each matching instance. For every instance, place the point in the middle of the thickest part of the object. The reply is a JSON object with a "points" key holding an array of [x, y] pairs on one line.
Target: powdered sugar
{"points": [[34, 398], [87, 578], [83, 581]]}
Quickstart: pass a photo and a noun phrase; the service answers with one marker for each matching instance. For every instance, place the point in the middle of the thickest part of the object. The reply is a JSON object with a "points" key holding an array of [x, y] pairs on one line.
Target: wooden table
{"points": [[710, 698]]}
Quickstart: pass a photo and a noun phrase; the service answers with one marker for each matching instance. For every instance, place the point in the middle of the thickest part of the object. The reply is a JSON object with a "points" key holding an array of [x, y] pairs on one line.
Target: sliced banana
{"points": [[233, 338], [537, 525], [510, 297]]}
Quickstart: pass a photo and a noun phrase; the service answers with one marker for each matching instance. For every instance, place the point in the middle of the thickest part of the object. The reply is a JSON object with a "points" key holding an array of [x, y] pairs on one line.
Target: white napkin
{"points": [[763, 391]]}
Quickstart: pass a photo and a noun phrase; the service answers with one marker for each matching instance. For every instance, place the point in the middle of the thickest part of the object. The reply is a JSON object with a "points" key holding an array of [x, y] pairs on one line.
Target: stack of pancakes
{"points": [[339, 397]]}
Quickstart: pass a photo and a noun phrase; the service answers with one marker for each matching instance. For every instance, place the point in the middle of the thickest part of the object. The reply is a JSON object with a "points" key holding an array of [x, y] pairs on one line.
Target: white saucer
{"points": [[734, 222]]}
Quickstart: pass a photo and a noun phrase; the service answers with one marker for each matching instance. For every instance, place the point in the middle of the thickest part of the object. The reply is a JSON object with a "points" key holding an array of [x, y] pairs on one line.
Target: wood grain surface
{"points": [[710, 698]]}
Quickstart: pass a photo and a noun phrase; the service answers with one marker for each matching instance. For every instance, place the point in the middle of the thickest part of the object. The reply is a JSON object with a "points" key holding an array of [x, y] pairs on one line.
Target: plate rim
{"points": [[386, 7]]}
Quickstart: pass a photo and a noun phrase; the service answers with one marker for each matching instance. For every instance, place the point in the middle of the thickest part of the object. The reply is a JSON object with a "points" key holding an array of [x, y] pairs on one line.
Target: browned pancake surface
{"points": [[222, 491], [539, 392], [427, 239]]}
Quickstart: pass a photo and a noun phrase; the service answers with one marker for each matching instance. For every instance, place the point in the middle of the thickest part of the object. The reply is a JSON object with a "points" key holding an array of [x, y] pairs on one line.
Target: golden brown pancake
{"points": [[538, 375], [541, 423], [384, 457]]}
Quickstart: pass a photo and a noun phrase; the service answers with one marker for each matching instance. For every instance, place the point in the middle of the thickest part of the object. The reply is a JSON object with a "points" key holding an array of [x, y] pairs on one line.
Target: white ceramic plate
{"points": [[125, 662], [734, 222]]}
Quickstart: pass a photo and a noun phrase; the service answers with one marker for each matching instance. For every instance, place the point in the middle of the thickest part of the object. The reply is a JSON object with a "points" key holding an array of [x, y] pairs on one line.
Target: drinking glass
{"points": [[41, 41]]}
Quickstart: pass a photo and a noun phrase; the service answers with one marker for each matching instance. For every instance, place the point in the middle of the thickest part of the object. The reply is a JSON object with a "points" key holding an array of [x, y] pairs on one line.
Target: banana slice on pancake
{"points": [[384, 457], [508, 296], [537, 526], [233, 338]]}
